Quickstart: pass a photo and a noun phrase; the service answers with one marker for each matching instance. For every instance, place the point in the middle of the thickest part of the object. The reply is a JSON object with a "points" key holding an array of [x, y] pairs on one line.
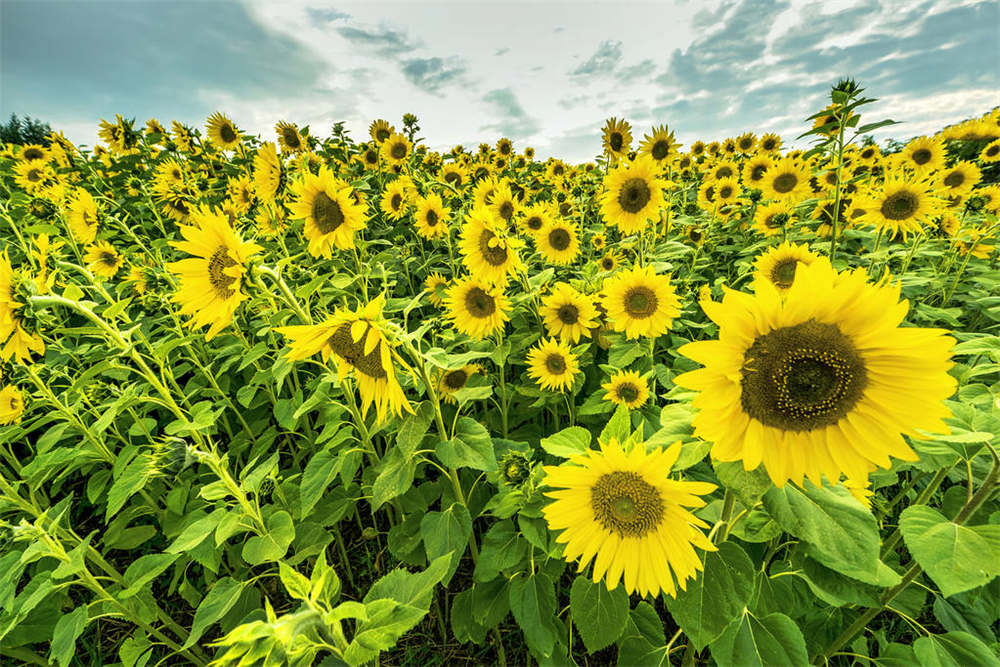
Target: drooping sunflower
{"points": [[558, 242], [82, 216], [395, 203], [660, 145], [958, 180], [617, 138], [787, 180], [627, 388], [901, 205], [640, 303], [771, 219], [331, 213], [567, 313], [268, 175], [103, 260], [924, 155], [437, 288], [289, 138], [456, 379], [211, 281], [821, 382], [620, 509], [380, 130], [477, 308], [431, 218], [222, 131], [553, 365], [358, 342], [396, 150], [779, 265], [11, 405], [490, 253], [633, 195]]}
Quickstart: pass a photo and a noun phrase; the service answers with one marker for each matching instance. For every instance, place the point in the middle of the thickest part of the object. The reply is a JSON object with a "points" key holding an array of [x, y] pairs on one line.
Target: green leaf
{"points": [[717, 597], [957, 558], [144, 570], [196, 532], [748, 485], [619, 426], [395, 477], [273, 544], [840, 532], [219, 600], [463, 623], [643, 642], [598, 614], [753, 641], [624, 353], [447, 533], [567, 442], [131, 480], [472, 447], [533, 603], [321, 469], [502, 548], [296, 583], [954, 649], [65, 634]]}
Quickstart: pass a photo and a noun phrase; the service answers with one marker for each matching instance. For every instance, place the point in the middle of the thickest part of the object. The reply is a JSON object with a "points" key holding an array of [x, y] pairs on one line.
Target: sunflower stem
{"points": [[286, 293]]}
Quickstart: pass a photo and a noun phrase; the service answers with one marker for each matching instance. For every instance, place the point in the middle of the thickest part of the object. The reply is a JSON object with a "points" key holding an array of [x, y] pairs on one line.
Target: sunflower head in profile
{"points": [[103, 260], [746, 142], [553, 365], [437, 288], [455, 379], [772, 219], [633, 195], [431, 218], [211, 280], [358, 342], [609, 261], [11, 405], [490, 253], [222, 131], [567, 313], [779, 265], [627, 388], [396, 150], [820, 382], [617, 138], [640, 303], [619, 508], [660, 145], [948, 225], [268, 173], [82, 216], [476, 308], [787, 180], [380, 130], [15, 341], [289, 138], [901, 205], [924, 155], [395, 203], [958, 180], [558, 242], [332, 214], [828, 120]]}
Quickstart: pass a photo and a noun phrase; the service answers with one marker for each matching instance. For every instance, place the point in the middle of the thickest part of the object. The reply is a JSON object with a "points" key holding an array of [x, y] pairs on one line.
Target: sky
{"points": [[544, 74]]}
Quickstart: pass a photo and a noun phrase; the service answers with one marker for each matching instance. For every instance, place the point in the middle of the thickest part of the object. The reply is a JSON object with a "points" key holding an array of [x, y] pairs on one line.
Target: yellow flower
{"points": [[786, 181], [222, 131], [489, 252], [633, 195], [640, 303], [82, 216], [11, 405], [567, 313], [771, 219], [289, 138], [16, 342], [394, 200], [103, 260], [476, 308], [431, 219], [900, 205], [552, 364], [330, 211], [454, 380], [923, 155], [380, 130], [436, 286], [779, 265], [617, 138], [627, 388], [660, 145], [268, 175], [558, 242], [396, 150]]}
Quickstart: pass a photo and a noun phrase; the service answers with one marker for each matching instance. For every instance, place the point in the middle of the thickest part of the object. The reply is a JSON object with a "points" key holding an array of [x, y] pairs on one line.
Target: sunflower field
{"points": [[302, 400]]}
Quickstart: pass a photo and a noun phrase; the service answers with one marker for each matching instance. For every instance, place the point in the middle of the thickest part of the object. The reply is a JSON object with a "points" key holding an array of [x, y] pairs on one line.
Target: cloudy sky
{"points": [[545, 74]]}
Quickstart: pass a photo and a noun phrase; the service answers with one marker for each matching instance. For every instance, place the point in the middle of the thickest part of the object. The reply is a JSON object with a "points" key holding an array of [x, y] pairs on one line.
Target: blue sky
{"points": [[545, 74]]}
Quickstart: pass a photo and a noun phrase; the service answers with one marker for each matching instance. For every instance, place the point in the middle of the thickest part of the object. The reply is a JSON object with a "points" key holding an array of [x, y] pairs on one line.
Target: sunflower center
{"points": [[396, 201], [954, 179], [767, 144], [479, 304], [725, 192], [758, 172], [616, 140], [783, 273], [109, 258], [900, 205], [456, 379], [558, 170], [371, 157], [506, 210], [568, 314], [431, 218], [227, 133], [534, 223], [217, 276], [802, 377], [921, 156], [628, 392], [559, 239], [625, 503], [992, 151], [607, 263], [345, 347], [291, 137], [398, 151], [381, 135], [555, 364], [634, 195], [495, 254], [34, 175], [640, 302], [745, 144], [660, 149], [694, 235], [327, 213], [723, 172], [785, 183], [452, 177]]}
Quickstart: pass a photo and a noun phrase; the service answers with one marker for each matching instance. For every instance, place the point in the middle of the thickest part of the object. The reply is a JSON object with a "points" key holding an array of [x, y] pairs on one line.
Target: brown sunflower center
{"points": [[568, 313], [217, 276], [109, 259], [993, 151], [954, 179], [555, 363], [455, 380], [695, 235], [783, 273], [640, 302], [921, 156], [626, 504], [381, 134], [900, 205], [607, 263], [767, 144], [723, 172], [559, 239], [452, 177], [757, 173], [371, 157], [396, 201], [616, 140], [34, 175], [327, 213], [353, 352], [634, 195], [785, 183], [495, 254], [506, 209], [32, 154], [628, 392], [534, 223], [746, 144], [227, 133], [398, 151], [479, 304], [291, 137], [802, 377], [660, 150], [725, 192], [431, 218]]}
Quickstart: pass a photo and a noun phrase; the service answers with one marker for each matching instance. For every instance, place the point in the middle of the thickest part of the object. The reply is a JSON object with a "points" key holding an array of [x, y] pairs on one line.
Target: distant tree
{"points": [[27, 131]]}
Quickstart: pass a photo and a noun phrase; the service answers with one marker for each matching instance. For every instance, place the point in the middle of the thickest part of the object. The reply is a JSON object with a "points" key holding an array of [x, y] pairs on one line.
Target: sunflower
{"points": [[529, 153], [552, 364], [769, 143], [617, 139], [431, 219], [139, 280], [222, 131], [330, 210], [772, 219], [901, 205], [567, 313], [991, 152], [697, 149], [476, 308], [34, 176], [724, 169], [288, 137], [959, 179], [924, 155], [456, 379], [610, 260], [241, 193], [746, 142], [535, 218], [660, 145], [82, 216], [620, 509], [368, 157], [437, 288], [821, 382], [558, 242], [828, 121], [357, 341], [633, 195], [396, 150], [502, 202], [640, 303], [455, 175], [727, 190], [972, 241], [380, 130], [268, 176], [395, 202], [556, 169], [787, 180], [15, 342], [505, 147], [210, 281], [948, 225], [869, 155], [489, 253], [779, 265], [11, 405], [627, 388], [755, 169], [103, 260]]}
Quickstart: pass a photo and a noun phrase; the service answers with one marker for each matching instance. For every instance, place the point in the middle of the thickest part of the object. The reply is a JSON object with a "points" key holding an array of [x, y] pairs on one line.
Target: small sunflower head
{"points": [[515, 468]]}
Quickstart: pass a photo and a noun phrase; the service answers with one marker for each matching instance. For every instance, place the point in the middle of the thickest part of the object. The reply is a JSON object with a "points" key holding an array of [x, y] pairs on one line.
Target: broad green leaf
{"points": [[132, 479], [954, 649], [533, 603], [463, 623], [502, 548], [395, 477], [490, 602], [619, 426], [144, 570], [296, 583], [957, 558], [273, 544], [753, 641], [567, 442], [748, 485], [224, 594], [196, 532], [598, 614], [64, 635], [643, 642], [472, 447], [447, 532]]}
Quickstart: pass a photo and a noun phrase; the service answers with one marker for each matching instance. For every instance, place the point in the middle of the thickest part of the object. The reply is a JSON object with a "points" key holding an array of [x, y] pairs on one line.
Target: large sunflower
{"points": [[553, 365], [660, 145], [633, 195], [779, 265], [395, 202], [490, 254], [821, 382], [617, 138], [755, 169], [958, 180], [787, 180], [567, 313], [210, 281], [222, 131], [431, 218], [268, 175], [477, 308], [558, 242], [924, 155], [357, 341], [82, 216], [620, 509], [33, 176], [330, 210], [901, 205], [640, 303], [396, 150], [627, 388]]}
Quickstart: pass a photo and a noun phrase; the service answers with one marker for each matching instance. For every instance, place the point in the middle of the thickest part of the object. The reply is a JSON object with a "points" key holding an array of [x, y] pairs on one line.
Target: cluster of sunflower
{"points": [[579, 289]]}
